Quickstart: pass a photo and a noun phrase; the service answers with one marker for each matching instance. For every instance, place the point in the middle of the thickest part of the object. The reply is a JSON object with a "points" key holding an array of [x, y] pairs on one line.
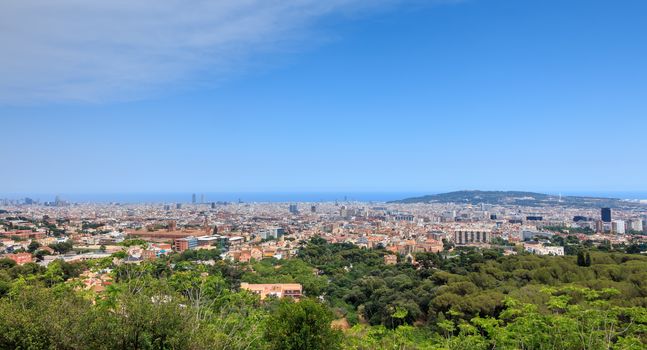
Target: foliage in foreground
{"points": [[464, 300]]}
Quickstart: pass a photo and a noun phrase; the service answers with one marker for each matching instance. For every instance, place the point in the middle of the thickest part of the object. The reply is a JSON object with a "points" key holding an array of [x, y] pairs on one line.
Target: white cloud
{"points": [[90, 50]]}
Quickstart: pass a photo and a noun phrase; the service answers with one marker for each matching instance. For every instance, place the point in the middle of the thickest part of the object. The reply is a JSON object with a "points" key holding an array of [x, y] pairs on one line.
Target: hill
{"points": [[518, 198]]}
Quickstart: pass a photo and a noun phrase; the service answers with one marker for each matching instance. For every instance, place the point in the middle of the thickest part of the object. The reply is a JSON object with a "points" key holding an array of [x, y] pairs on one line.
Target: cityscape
{"points": [[105, 240], [243, 231], [323, 175]]}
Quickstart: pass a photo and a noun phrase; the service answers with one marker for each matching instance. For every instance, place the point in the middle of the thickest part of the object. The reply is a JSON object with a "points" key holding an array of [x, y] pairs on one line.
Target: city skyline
{"points": [[400, 96], [212, 198]]}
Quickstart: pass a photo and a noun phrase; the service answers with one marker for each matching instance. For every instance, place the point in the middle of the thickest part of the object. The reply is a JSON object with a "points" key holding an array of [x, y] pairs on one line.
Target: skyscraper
{"points": [[294, 209], [605, 213], [634, 225], [599, 226], [193, 199]]}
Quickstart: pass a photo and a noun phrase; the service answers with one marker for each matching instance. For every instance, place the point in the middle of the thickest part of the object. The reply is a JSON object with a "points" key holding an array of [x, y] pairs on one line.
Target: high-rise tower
{"points": [[605, 214]]}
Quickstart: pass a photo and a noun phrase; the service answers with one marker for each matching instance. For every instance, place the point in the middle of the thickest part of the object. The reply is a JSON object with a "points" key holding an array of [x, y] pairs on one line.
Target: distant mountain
{"points": [[518, 198]]}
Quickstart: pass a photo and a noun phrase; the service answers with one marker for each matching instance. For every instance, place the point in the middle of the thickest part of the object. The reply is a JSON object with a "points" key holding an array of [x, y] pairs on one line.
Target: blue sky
{"points": [[356, 96]]}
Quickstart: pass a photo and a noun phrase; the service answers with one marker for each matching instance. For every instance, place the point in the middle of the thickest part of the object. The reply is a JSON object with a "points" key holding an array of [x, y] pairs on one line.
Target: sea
{"points": [[276, 197], [208, 197]]}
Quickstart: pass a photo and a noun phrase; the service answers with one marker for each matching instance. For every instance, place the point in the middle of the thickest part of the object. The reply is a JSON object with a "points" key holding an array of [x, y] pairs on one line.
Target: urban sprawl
{"points": [[34, 232]]}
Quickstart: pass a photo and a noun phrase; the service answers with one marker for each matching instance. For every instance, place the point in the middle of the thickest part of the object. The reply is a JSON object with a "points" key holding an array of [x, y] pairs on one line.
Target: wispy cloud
{"points": [[91, 50]]}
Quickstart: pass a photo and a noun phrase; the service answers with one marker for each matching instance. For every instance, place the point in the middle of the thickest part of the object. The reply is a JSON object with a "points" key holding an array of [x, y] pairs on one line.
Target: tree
{"points": [[587, 260], [63, 247], [33, 246], [215, 230], [40, 254], [134, 242], [301, 325], [6, 263], [581, 260], [447, 244], [633, 249], [54, 273]]}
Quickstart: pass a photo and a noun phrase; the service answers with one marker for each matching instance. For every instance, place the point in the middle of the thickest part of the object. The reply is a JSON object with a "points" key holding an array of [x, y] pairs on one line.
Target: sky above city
{"points": [[339, 95]]}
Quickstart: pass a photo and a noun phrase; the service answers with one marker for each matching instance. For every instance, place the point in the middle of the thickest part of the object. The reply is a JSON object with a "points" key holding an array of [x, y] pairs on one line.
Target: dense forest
{"points": [[458, 299]]}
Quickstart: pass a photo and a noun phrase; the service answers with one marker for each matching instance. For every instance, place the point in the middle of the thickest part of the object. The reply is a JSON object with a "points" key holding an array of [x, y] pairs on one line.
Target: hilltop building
{"points": [[279, 290]]}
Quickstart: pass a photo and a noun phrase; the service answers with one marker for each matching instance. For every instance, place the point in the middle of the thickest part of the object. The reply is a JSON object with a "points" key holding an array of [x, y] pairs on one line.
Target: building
{"points": [[247, 255], [294, 209], [390, 259], [541, 249], [162, 235], [599, 226], [528, 235], [236, 242], [403, 217], [472, 236], [24, 234], [635, 225], [148, 255], [193, 198], [618, 227], [222, 242], [156, 250], [580, 218], [279, 290], [20, 258], [182, 244], [272, 233], [605, 214]]}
